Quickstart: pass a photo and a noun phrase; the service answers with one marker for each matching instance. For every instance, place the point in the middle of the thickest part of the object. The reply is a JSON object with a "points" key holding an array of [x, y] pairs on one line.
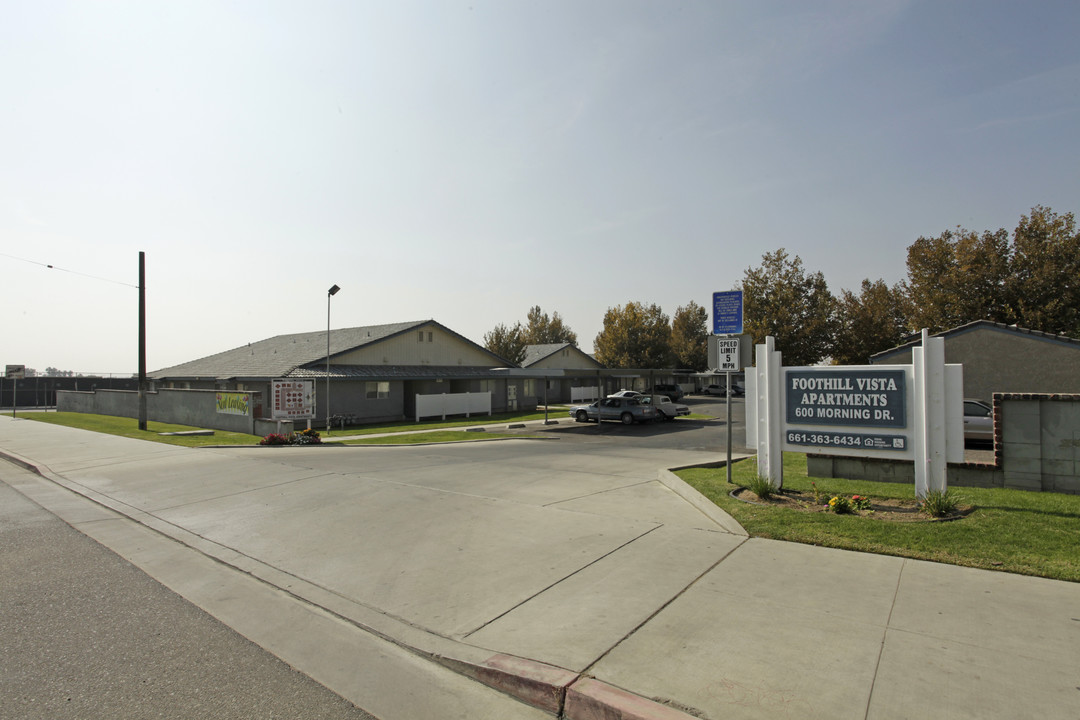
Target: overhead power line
{"points": [[73, 272]]}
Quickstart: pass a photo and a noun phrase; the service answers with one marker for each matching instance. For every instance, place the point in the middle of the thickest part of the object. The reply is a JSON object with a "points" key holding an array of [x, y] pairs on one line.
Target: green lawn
{"points": [[129, 427], [1013, 530]]}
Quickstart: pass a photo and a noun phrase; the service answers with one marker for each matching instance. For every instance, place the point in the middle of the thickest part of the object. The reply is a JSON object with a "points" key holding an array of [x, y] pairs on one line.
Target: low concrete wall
{"points": [[1036, 447], [900, 471], [1037, 437], [197, 408]]}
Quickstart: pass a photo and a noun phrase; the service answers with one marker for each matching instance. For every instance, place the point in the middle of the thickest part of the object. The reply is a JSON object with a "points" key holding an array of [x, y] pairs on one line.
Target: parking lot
{"points": [[685, 433]]}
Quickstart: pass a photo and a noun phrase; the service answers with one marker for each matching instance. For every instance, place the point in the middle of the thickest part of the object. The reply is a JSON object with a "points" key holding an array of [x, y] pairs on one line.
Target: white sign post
{"points": [[906, 412]]}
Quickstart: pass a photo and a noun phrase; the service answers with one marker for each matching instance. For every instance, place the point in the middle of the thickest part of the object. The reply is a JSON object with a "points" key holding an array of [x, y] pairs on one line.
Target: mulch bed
{"points": [[881, 508]]}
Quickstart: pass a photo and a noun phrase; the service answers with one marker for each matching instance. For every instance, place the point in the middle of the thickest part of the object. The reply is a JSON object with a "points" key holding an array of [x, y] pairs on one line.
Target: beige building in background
{"points": [[1001, 358]]}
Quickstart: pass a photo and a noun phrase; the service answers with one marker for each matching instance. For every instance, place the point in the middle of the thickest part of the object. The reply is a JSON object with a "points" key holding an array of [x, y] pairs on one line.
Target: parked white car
{"points": [[665, 409]]}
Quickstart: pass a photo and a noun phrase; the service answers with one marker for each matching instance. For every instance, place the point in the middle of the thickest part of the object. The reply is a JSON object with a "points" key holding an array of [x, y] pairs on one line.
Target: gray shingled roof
{"points": [[915, 340], [536, 353], [279, 356]]}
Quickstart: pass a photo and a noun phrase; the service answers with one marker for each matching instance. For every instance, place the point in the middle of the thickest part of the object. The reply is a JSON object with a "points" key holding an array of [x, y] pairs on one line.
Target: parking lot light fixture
{"points": [[329, 294]]}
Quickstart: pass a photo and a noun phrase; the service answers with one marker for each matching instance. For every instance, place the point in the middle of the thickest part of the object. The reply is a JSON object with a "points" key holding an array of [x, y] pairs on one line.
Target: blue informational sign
{"points": [[727, 313]]}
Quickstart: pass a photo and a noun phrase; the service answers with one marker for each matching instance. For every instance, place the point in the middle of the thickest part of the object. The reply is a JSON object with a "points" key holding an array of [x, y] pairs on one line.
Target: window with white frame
{"points": [[378, 390]]}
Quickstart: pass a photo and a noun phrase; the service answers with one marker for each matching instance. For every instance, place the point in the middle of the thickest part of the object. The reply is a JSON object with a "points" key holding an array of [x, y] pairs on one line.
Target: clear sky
{"points": [[464, 161]]}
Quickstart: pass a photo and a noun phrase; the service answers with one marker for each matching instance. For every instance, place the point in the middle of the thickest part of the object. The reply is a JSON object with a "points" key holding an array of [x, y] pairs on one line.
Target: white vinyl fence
{"points": [[453, 404], [584, 394]]}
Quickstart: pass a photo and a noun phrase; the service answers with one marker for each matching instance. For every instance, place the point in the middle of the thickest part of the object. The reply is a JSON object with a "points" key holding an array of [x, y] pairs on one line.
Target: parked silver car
{"points": [[626, 410], [978, 421]]}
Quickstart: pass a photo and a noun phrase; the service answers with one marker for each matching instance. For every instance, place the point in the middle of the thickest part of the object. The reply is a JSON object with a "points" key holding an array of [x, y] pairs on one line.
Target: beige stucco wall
{"points": [[998, 360], [566, 359], [408, 349]]}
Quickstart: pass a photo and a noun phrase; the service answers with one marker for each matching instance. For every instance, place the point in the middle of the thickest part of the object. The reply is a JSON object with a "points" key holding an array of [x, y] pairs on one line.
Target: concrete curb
{"points": [[677, 485], [591, 699], [563, 693]]}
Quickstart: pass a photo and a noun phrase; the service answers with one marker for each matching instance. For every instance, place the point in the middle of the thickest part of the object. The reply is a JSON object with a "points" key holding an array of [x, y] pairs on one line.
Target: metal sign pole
{"points": [[728, 394]]}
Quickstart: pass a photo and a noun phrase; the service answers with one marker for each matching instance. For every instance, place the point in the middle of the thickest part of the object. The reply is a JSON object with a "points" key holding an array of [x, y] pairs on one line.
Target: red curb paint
{"points": [[591, 699]]}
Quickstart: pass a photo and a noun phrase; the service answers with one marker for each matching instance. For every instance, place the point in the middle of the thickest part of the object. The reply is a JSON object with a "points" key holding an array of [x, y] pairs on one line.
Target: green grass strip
{"points": [[129, 427], [1031, 533]]}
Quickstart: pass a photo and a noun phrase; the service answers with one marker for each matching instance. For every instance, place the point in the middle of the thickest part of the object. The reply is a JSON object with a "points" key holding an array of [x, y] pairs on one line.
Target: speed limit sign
{"points": [[724, 353]]}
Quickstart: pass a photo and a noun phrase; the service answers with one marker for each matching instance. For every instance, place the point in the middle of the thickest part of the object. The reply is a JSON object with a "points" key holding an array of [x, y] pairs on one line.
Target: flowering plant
{"points": [[839, 505], [842, 505], [304, 437]]}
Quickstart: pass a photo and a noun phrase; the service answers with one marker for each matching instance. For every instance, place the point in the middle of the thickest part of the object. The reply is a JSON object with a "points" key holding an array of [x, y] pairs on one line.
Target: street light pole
{"points": [[329, 294], [142, 341]]}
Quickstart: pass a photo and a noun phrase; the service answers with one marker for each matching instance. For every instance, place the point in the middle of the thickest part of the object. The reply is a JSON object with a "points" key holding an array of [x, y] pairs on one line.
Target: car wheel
{"points": [[661, 416], [581, 416], [627, 419]]}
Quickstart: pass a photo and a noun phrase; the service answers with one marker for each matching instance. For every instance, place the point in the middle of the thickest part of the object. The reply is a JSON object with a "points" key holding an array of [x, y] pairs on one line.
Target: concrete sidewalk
{"points": [[518, 580]]}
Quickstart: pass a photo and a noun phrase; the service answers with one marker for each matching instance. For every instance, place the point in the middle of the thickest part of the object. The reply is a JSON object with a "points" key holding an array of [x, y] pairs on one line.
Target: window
{"points": [[378, 390], [421, 338], [429, 336], [487, 386], [530, 387]]}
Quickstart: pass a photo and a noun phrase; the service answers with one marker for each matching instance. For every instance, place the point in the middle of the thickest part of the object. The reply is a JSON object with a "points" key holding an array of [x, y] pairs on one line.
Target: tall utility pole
{"points": [[142, 340]]}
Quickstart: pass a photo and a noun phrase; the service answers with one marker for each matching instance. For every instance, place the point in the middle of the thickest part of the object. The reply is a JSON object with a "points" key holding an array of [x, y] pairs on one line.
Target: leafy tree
{"points": [[543, 330], [634, 336], [956, 278], [507, 342], [690, 336], [782, 300], [962, 276], [867, 323], [1043, 287]]}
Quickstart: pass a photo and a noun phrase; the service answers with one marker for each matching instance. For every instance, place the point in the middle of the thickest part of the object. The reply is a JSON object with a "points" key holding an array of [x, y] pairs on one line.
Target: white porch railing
{"points": [[584, 394], [453, 404]]}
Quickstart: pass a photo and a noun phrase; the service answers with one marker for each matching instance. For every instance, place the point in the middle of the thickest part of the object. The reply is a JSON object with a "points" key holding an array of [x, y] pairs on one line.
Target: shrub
{"points": [[762, 487], [275, 439], [939, 503]]}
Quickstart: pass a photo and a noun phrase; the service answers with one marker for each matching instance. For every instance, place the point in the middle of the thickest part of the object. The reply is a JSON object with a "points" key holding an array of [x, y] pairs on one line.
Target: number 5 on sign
{"points": [[724, 354]]}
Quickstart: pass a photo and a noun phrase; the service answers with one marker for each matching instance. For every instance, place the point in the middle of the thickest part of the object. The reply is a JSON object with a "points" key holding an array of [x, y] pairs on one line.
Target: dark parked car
{"points": [[672, 391]]}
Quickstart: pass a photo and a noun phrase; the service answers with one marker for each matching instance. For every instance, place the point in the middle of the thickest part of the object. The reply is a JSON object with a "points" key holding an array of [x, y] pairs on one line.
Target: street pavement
{"points": [[85, 634], [533, 578]]}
